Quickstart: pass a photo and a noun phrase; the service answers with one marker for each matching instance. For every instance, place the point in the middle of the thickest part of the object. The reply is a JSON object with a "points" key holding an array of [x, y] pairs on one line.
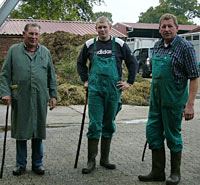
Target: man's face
{"points": [[168, 30], [31, 37], [103, 30]]}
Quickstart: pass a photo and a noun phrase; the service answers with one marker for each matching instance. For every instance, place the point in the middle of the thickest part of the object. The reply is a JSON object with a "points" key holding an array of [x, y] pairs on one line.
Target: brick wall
{"points": [[7, 41]]}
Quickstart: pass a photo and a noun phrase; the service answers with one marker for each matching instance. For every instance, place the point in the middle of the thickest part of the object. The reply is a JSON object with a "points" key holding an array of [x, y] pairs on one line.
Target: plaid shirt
{"points": [[183, 58]]}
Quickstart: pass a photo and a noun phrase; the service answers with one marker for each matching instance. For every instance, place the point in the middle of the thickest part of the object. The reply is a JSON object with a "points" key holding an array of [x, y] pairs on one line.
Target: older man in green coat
{"points": [[28, 81]]}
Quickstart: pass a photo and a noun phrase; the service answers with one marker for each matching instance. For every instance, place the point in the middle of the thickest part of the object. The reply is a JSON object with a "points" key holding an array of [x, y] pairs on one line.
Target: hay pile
{"points": [[65, 48], [71, 94], [138, 94], [63, 44]]}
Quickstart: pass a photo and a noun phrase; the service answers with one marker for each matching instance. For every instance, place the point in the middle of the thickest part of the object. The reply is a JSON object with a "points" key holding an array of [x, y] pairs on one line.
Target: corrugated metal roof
{"points": [[155, 26], [195, 30], [16, 27]]}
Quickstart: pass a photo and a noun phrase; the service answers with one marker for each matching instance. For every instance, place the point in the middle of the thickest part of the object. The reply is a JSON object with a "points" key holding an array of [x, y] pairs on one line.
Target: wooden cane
{"points": [[81, 131], [4, 144]]}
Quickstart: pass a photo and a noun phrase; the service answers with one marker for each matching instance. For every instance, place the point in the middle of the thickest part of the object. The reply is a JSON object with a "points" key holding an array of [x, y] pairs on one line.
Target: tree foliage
{"points": [[65, 10], [99, 14], [185, 10]]}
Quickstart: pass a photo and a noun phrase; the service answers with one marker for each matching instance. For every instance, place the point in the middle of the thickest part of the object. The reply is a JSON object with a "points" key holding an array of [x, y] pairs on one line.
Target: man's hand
{"points": [[189, 112], [7, 99], [189, 108], [52, 103], [85, 85], [123, 85]]}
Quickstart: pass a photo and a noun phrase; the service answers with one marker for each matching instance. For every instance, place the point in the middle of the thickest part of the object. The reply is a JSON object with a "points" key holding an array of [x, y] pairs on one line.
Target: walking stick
{"points": [[81, 131], [4, 144], [145, 146]]}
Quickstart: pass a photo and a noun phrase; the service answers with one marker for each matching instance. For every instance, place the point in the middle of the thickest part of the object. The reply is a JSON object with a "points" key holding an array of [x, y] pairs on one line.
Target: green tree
{"points": [[185, 10], [99, 14], [64, 10]]}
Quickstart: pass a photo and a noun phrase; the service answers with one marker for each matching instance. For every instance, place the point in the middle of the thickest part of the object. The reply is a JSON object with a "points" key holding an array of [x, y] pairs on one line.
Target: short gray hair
{"points": [[31, 25]]}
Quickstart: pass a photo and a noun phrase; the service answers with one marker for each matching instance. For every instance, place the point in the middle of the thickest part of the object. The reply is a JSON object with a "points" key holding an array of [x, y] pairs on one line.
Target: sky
{"points": [[128, 10]]}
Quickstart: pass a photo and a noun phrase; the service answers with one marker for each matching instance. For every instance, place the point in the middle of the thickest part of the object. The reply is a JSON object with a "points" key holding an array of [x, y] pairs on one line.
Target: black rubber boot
{"points": [[105, 150], [92, 153], [158, 167], [175, 175]]}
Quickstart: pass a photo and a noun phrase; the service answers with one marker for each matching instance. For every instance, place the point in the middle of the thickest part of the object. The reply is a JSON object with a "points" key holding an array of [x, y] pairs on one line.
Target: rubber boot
{"points": [[105, 150], [92, 153], [158, 167], [175, 175]]}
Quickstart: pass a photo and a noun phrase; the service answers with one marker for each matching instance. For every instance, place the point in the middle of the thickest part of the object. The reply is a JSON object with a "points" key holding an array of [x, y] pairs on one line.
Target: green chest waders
{"points": [[103, 95], [167, 102]]}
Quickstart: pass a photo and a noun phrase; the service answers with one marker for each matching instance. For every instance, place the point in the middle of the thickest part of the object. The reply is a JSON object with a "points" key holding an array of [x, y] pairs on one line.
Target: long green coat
{"points": [[31, 81]]}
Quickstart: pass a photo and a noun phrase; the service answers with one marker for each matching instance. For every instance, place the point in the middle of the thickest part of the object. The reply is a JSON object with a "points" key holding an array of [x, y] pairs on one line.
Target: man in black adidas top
{"points": [[104, 84]]}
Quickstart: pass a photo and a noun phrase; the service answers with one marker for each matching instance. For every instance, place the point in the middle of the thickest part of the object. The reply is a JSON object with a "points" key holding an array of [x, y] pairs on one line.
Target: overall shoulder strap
{"points": [[179, 39]]}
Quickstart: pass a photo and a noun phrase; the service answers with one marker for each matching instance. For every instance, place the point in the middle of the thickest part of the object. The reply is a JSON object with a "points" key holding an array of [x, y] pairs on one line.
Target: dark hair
{"points": [[31, 25]]}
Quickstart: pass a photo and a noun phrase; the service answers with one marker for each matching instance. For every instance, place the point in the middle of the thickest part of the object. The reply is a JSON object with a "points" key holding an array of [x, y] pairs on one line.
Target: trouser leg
{"points": [[112, 107], [37, 152], [172, 118], [96, 112], [21, 153], [21, 157]]}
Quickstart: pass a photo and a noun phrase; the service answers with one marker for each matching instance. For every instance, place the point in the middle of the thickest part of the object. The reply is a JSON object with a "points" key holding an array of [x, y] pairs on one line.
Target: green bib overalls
{"points": [[167, 103], [103, 95]]}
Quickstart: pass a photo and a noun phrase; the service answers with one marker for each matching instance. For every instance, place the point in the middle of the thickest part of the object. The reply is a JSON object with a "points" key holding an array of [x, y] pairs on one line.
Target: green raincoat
{"points": [[30, 81]]}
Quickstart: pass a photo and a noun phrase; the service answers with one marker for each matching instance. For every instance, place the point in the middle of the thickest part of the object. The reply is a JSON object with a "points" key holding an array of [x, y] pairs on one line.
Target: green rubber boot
{"points": [[175, 175], [105, 150], [92, 153], [158, 167]]}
